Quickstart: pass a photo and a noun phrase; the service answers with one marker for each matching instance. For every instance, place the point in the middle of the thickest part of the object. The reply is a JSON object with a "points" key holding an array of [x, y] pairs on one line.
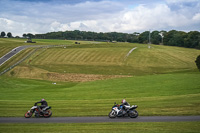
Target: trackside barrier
{"points": [[29, 54]]}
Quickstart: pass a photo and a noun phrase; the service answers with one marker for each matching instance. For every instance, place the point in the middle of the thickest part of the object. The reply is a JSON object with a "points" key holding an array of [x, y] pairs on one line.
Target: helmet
{"points": [[42, 99], [123, 101]]}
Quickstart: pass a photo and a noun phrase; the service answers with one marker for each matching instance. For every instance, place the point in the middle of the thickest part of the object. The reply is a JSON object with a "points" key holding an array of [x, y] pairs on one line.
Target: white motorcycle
{"points": [[118, 111]]}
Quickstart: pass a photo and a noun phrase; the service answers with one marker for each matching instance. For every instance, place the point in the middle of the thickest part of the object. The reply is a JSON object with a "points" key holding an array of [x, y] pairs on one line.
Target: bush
{"points": [[198, 62]]}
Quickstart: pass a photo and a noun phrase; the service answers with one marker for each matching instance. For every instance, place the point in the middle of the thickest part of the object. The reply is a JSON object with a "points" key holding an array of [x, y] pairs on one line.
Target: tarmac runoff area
{"points": [[98, 119]]}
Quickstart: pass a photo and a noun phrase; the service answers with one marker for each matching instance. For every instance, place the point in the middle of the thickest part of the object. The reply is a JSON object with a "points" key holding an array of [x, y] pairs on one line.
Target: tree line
{"points": [[171, 38]]}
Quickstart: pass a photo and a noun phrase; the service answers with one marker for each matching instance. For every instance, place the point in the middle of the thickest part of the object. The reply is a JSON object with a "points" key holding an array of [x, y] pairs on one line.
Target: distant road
{"points": [[13, 52], [98, 119], [16, 50]]}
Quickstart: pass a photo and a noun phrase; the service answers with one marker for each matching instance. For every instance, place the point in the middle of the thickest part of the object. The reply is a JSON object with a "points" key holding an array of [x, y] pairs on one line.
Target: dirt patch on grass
{"points": [[80, 77], [37, 73]]}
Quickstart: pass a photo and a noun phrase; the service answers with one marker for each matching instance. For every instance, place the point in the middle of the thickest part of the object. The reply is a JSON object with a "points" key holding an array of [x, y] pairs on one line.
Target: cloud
{"points": [[141, 18], [181, 1], [9, 25], [196, 18], [98, 15], [158, 17]]}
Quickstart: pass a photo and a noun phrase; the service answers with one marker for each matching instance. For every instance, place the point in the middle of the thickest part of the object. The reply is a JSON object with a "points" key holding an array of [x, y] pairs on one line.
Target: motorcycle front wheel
{"points": [[133, 114], [112, 114], [28, 114], [47, 114]]}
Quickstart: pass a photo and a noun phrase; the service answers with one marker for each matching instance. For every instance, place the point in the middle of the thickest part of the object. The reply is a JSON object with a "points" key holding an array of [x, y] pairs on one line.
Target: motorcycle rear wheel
{"points": [[112, 114], [28, 114], [47, 114], [133, 114]]}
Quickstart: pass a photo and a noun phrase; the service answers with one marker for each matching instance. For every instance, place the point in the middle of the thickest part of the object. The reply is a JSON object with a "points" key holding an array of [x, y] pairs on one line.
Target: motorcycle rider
{"points": [[124, 106], [43, 105], [124, 102]]}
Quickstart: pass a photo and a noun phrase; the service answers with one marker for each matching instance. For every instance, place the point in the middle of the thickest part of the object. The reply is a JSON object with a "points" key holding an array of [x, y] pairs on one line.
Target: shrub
{"points": [[198, 62]]}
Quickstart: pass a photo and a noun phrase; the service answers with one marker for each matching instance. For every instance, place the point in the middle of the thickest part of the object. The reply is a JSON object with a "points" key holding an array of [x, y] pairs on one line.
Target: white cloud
{"points": [[196, 17], [9, 25], [100, 16], [140, 18], [5, 22], [181, 1]]}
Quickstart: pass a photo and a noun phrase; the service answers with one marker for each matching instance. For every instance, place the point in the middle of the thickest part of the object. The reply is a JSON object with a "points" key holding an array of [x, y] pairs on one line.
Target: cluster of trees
{"points": [[182, 39], [84, 35], [3, 34], [172, 38]]}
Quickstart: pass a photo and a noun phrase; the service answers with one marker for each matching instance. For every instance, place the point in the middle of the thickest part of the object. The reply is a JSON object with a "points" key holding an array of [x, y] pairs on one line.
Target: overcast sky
{"points": [[128, 16]]}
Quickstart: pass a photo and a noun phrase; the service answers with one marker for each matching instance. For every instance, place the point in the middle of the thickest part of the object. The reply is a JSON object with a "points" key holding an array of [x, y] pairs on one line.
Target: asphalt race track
{"points": [[16, 50], [98, 119], [13, 52]]}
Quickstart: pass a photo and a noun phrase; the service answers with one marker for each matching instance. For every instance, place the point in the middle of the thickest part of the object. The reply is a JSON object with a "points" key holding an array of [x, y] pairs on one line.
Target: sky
{"points": [[127, 16]]}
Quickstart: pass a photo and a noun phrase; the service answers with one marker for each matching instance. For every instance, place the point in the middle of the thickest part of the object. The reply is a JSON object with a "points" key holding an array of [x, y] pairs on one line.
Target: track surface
{"points": [[16, 50], [98, 119], [13, 52]]}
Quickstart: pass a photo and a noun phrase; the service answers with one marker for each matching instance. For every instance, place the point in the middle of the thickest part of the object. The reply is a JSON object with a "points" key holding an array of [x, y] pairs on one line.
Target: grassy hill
{"points": [[7, 44], [161, 81], [94, 59]]}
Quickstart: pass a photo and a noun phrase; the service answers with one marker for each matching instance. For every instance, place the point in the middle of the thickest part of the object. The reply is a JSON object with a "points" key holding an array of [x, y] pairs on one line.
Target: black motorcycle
{"points": [[119, 111], [45, 112]]}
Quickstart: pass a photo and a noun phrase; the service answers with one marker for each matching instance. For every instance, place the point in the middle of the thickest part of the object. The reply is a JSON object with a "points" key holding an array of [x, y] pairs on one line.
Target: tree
{"points": [[192, 40], [155, 37], [9, 35], [144, 37], [174, 38], [198, 62], [24, 35], [29, 35], [3, 34]]}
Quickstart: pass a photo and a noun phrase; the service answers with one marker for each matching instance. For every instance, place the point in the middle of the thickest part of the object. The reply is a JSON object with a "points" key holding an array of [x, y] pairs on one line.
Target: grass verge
{"points": [[148, 127]]}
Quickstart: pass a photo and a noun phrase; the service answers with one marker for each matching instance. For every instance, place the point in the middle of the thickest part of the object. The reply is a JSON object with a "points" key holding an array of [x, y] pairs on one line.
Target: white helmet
{"points": [[43, 99], [123, 101]]}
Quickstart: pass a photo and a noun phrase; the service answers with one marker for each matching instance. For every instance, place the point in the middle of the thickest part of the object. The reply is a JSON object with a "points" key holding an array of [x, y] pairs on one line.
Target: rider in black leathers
{"points": [[43, 105], [124, 104]]}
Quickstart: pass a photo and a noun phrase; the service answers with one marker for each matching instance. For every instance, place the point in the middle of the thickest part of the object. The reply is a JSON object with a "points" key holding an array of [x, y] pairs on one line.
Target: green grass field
{"points": [[161, 81], [91, 76], [166, 94], [109, 59], [148, 127]]}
